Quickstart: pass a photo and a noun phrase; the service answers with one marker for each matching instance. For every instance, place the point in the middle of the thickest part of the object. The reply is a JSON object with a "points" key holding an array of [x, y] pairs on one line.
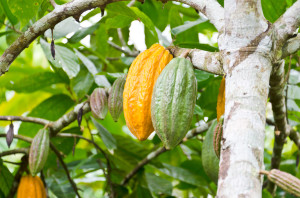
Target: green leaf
{"points": [[158, 185], [118, 21], [64, 58], [107, 138], [87, 62], [210, 161], [183, 175], [198, 45], [198, 110], [122, 9], [6, 179], [82, 83], [35, 82], [102, 81], [24, 10], [50, 109], [59, 185], [187, 25], [81, 33], [12, 18], [63, 28], [273, 9]]}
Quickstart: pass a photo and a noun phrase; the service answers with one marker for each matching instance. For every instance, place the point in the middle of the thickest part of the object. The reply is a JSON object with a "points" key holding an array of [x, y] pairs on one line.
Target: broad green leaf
{"points": [[35, 82], [24, 10], [59, 185], [119, 21], [182, 174], [6, 179], [64, 58], [43, 8], [198, 45], [106, 136], [127, 60], [63, 28], [87, 63], [102, 81], [273, 9], [122, 9], [99, 41], [83, 32], [198, 110], [202, 75], [50, 109], [293, 92], [158, 185], [187, 25], [12, 18], [210, 161], [82, 83]]}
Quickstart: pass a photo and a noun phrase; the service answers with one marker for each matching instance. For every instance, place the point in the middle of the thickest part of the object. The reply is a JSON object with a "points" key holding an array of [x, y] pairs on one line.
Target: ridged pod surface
{"points": [[218, 134], [98, 103], [31, 187], [115, 98], [137, 94], [173, 101], [39, 150], [285, 181]]}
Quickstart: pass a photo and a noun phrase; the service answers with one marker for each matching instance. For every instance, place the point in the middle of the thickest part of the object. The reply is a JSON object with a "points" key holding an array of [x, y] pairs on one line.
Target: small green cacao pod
{"points": [[39, 150], [284, 180], [115, 98], [218, 133], [173, 101], [98, 103], [210, 161]]}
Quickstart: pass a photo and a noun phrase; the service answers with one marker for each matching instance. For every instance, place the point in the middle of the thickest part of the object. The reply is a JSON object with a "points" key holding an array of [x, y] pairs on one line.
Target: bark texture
{"points": [[246, 45]]}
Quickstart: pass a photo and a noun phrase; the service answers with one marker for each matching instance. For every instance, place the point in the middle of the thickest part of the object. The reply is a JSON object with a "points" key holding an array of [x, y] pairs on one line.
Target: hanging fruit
{"points": [[137, 94], [173, 101], [98, 103], [31, 187], [221, 100]]}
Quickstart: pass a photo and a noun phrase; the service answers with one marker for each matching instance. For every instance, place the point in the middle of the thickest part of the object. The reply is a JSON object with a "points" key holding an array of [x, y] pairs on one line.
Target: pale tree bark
{"points": [[246, 45]]}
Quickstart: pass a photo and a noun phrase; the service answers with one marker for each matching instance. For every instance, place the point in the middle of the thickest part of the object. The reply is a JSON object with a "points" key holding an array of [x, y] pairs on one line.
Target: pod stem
{"points": [[264, 172], [185, 53]]}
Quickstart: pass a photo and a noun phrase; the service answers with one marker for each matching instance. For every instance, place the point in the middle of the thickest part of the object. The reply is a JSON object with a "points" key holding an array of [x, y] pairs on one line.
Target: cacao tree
{"points": [[66, 66]]}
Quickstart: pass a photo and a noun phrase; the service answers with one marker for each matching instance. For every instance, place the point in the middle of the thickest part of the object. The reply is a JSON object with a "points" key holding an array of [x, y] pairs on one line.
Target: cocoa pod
{"points": [[10, 135], [30, 186], [98, 103], [173, 101], [221, 100], [39, 150], [218, 133], [138, 89], [115, 98], [284, 180]]}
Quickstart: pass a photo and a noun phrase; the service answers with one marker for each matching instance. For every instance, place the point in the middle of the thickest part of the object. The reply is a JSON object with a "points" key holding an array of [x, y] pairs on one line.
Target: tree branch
{"points": [[211, 9], [291, 46], [73, 184], [286, 26], [14, 151], [126, 51], [25, 119], [192, 133], [277, 99], [202, 60], [68, 118], [53, 3]]}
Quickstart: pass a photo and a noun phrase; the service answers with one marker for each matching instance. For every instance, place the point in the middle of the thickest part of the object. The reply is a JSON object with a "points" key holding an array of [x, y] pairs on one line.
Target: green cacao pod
{"points": [[210, 161], [284, 180], [218, 134], [39, 150], [173, 101], [115, 98], [98, 103]]}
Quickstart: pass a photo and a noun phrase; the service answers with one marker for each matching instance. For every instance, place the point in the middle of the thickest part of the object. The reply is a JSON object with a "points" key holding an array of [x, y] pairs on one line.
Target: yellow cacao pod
{"points": [[31, 187], [137, 94]]}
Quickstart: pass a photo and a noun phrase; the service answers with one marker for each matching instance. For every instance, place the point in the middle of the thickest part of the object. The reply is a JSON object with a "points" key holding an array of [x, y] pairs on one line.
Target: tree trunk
{"points": [[246, 46]]}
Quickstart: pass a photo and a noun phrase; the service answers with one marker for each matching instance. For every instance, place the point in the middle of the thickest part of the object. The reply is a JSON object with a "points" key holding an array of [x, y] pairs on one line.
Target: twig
{"points": [[17, 177], [25, 119], [192, 133], [53, 3], [14, 163], [12, 28], [101, 150], [117, 47], [73, 184], [14, 151]]}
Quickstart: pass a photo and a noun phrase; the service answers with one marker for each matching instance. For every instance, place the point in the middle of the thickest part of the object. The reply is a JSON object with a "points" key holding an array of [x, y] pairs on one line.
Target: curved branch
{"points": [[202, 60], [25, 119], [192, 133], [291, 46], [211, 9], [286, 26], [277, 99], [14, 151]]}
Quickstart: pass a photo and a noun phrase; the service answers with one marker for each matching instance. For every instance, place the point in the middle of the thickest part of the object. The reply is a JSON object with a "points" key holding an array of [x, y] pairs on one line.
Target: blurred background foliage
{"points": [[38, 86]]}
